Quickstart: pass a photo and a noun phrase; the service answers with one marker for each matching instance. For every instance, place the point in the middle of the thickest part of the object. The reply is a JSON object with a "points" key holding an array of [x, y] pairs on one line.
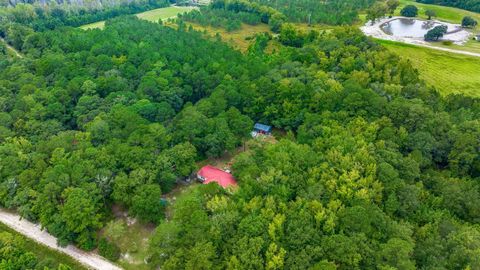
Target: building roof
{"points": [[213, 174], [262, 127]]}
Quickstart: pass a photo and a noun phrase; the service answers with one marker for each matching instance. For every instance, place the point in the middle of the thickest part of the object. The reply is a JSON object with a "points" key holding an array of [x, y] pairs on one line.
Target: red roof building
{"points": [[209, 174]]}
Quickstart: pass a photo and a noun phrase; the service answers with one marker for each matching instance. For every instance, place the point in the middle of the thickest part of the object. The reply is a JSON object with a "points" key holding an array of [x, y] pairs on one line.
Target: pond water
{"points": [[408, 27]]}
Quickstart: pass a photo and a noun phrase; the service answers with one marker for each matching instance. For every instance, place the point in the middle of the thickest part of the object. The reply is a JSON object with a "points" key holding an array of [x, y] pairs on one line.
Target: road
{"points": [[373, 30], [34, 232], [11, 48]]}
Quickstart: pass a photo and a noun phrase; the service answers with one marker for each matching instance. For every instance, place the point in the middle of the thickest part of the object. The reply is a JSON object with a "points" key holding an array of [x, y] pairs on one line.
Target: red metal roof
{"points": [[212, 174]]}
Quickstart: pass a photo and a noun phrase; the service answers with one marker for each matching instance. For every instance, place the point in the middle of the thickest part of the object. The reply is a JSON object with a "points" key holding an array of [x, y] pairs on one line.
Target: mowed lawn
{"points": [[152, 15], [448, 72], [448, 14]]}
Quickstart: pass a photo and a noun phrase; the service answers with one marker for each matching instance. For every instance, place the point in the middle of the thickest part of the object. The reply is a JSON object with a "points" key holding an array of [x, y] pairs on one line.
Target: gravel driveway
{"points": [[34, 232]]}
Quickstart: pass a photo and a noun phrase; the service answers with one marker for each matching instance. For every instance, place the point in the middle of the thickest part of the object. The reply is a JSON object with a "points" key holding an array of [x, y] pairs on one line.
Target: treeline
{"points": [[42, 18], [336, 12], [229, 14], [15, 254], [231, 21], [377, 171], [472, 5]]}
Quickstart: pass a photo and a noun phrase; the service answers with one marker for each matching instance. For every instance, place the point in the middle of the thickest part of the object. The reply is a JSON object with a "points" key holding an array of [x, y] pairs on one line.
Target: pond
{"points": [[408, 27]]}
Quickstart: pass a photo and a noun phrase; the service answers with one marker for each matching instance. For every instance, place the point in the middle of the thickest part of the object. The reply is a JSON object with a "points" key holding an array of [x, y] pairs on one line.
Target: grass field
{"points": [[151, 15], [448, 14], [448, 72], [470, 46], [238, 39], [43, 252]]}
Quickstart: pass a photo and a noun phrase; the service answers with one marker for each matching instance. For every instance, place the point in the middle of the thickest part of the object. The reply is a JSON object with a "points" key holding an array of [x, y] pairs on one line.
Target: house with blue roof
{"points": [[262, 129]]}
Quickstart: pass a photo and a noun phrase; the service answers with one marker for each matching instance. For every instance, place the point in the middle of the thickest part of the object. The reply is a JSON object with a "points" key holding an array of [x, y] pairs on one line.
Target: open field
{"points": [[43, 252], [445, 14], [163, 13], [152, 15], [470, 46], [448, 14], [238, 39], [450, 73]]}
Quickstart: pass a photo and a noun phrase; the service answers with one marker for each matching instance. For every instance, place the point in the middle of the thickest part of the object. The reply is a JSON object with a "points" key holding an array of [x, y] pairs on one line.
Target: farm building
{"points": [[208, 174], [262, 129]]}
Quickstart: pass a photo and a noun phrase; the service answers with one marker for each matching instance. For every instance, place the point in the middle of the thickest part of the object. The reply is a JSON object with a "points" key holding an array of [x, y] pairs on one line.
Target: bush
{"points": [[409, 11], [108, 250], [469, 22], [436, 33], [447, 42]]}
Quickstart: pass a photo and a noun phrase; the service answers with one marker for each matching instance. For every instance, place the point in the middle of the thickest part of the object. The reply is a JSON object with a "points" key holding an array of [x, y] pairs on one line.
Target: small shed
{"points": [[477, 37], [262, 129], [208, 174]]}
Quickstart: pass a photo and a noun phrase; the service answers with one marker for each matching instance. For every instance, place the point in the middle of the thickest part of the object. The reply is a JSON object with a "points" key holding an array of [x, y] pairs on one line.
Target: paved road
{"points": [[374, 30], [34, 232], [11, 48]]}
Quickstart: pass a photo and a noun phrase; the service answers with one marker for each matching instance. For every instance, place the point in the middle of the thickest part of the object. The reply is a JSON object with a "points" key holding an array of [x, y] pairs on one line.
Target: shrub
{"points": [[409, 11], [469, 22], [108, 250], [447, 42], [436, 33]]}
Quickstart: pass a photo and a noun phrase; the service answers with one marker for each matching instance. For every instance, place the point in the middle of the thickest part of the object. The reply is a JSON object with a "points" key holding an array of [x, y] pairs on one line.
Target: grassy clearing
{"points": [[151, 15], [449, 72], [99, 25], [132, 240], [239, 39], [163, 13], [448, 14], [43, 252], [470, 46]]}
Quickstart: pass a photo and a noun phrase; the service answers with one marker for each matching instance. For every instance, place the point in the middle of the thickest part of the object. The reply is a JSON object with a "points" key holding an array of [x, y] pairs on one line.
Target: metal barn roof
{"points": [[262, 127], [213, 174]]}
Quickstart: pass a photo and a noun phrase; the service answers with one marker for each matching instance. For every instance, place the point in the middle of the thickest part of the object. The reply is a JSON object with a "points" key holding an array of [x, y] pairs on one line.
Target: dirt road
{"points": [[11, 48], [34, 232]]}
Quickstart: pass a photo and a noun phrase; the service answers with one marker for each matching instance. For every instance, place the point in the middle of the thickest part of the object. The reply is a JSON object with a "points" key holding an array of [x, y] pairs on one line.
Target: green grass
{"points": [[448, 72], [151, 15], [135, 235], [470, 46], [448, 14], [162, 13], [99, 25], [43, 252]]}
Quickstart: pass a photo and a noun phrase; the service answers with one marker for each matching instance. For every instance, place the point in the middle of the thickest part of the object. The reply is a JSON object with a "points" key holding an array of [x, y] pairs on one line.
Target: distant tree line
{"points": [[229, 14], [335, 12], [42, 18], [221, 18], [472, 5]]}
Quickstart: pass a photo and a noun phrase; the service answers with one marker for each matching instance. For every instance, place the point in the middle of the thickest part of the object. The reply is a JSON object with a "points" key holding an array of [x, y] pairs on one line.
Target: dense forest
{"points": [[231, 14], [376, 171], [14, 255], [337, 12], [472, 5], [46, 17]]}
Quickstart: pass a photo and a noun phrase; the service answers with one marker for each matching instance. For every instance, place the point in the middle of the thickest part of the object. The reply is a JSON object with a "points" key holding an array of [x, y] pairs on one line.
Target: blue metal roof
{"points": [[262, 127]]}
